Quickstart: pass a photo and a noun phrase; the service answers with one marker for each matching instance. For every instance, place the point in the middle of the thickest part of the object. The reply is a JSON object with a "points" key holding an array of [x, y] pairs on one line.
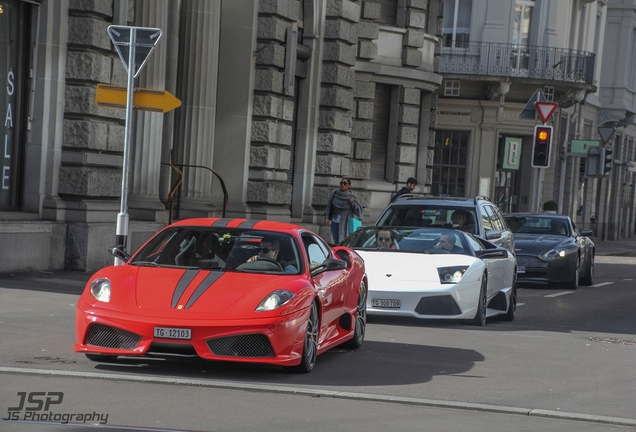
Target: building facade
{"points": [[496, 58], [280, 99]]}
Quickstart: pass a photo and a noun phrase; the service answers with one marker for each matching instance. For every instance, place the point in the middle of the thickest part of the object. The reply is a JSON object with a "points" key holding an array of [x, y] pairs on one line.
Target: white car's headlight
{"points": [[275, 300], [451, 275], [100, 289], [554, 253]]}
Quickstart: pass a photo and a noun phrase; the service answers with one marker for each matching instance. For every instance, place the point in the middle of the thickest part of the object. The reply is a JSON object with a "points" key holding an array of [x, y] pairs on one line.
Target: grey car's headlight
{"points": [[451, 275], [100, 289], [275, 300], [554, 253]]}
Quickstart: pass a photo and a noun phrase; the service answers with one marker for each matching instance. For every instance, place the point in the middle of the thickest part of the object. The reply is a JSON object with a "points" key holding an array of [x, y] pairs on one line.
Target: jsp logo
{"points": [[37, 401]]}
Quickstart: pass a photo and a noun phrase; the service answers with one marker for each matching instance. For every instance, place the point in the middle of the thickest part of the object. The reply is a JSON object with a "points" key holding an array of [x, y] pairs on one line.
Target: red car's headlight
{"points": [[100, 289], [275, 300]]}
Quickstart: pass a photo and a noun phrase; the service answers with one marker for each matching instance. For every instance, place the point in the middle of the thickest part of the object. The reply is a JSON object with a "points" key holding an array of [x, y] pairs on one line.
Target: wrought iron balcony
{"points": [[508, 60]]}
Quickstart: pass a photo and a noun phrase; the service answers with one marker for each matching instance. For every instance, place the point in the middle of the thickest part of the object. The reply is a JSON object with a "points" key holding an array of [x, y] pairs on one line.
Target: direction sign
{"points": [[114, 96], [545, 109], [605, 132], [579, 147], [144, 40]]}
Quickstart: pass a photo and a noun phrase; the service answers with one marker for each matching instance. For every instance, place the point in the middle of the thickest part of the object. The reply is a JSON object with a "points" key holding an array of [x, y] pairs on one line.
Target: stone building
{"points": [[495, 57], [280, 99]]}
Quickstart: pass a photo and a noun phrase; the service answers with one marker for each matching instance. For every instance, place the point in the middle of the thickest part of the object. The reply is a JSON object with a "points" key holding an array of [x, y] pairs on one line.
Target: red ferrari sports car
{"points": [[226, 289]]}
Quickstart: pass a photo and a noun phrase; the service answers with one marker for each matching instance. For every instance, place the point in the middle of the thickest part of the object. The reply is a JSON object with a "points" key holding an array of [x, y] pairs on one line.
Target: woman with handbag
{"points": [[343, 205]]}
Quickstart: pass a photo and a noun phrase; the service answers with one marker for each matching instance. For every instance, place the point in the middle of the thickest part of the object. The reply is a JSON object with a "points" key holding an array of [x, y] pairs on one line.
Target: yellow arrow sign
{"points": [[114, 96]]}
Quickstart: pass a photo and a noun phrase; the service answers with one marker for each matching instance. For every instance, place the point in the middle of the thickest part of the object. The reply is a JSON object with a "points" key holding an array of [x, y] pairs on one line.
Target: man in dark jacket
{"points": [[411, 182]]}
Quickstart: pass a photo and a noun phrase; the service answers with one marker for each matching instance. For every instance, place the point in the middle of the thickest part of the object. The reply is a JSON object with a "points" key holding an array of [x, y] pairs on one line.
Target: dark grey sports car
{"points": [[550, 249]]}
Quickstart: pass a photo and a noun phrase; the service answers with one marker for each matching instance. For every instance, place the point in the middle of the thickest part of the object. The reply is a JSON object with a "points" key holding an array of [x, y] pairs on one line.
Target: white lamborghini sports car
{"points": [[436, 273]]}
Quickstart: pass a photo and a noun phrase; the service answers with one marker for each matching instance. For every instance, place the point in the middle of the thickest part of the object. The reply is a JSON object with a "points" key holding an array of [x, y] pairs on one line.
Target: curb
{"points": [[466, 406]]}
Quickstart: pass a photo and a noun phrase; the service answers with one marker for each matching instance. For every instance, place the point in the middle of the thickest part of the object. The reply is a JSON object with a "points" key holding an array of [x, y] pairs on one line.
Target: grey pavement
{"points": [[621, 247]]}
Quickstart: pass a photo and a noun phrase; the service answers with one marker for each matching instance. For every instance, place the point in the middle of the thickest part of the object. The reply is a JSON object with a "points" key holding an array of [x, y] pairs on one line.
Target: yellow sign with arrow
{"points": [[114, 96]]}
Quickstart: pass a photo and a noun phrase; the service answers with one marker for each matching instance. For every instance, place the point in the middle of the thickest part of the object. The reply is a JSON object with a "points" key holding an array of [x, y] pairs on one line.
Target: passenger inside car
{"points": [[558, 227]]}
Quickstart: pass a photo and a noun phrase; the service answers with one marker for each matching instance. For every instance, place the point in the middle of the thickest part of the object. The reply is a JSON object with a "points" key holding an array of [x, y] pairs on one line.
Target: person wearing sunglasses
{"points": [[269, 248], [342, 205], [385, 239]]}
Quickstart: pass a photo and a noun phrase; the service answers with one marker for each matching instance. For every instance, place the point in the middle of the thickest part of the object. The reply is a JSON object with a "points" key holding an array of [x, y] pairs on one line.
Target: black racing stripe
{"points": [[222, 222], [203, 286], [248, 224], [185, 280]]}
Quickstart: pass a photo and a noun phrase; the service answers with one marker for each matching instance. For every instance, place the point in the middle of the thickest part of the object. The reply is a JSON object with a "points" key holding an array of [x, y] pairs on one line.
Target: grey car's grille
{"points": [[110, 337], [530, 261], [252, 345]]}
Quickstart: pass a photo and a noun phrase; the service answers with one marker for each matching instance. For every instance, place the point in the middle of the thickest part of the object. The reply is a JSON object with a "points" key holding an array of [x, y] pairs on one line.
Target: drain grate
{"points": [[613, 341]]}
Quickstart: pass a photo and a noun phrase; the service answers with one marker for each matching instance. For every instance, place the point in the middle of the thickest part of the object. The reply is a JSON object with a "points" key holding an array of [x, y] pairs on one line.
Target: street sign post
{"points": [[114, 96], [134, 45]]}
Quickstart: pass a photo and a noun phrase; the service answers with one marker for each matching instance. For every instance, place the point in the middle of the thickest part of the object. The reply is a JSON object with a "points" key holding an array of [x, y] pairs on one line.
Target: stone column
{"points": [[143, 199], [337, 101], [44, 146], [199, 32]]}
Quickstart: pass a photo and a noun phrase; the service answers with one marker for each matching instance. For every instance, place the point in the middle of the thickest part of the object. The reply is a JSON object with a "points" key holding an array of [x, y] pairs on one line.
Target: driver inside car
{"points": [[269, 248]]}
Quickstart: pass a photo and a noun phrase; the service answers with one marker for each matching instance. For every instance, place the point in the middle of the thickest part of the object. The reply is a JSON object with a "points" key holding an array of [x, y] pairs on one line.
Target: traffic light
{"points": [[541, 146], [607, 161], [593, 161]]}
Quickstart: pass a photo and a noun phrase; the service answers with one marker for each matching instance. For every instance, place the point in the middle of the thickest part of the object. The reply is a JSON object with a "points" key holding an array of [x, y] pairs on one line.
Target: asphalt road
{"points": [[565, 363]]}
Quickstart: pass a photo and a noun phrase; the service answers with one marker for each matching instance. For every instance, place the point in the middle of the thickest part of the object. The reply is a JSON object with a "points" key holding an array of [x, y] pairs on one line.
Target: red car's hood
{"points": [[206, 293]]}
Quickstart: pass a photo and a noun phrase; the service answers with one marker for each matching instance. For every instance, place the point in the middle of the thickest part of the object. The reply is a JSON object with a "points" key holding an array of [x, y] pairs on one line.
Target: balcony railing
{"points": [[508, 60]]}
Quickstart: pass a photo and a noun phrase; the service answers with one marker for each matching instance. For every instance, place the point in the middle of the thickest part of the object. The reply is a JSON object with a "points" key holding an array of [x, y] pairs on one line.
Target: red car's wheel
{"points": [[361, 319], [310, 349]]}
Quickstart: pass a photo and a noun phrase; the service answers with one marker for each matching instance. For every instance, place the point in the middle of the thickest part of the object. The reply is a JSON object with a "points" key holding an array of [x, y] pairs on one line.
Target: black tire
{"points": [[511, 313], [360, 320], [589, 278], [574, 283], [101, 358], [310, 348], [480, 316]]}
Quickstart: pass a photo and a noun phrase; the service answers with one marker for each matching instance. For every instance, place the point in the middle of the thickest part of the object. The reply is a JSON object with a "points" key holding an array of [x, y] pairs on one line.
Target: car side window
{"points": [[492, 215], [474, 243], [316, 252], [485, 219]]}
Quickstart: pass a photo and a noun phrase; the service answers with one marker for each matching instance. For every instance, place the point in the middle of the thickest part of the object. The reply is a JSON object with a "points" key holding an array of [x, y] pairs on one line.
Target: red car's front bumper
{"points": [[272, 340]]}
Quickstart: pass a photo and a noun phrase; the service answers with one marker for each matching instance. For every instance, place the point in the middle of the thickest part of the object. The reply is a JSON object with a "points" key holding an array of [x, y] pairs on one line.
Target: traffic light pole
{"points": [[539, 182]]}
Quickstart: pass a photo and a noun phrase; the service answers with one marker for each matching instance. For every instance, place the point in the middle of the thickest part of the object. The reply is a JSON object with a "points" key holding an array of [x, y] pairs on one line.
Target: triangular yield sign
{"points": [[145, 41], [605, 132], [545, 109]]}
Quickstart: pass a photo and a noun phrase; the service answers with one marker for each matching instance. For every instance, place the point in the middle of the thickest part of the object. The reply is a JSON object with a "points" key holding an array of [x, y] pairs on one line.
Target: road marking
{"points": [[601, 284], [313, 392], [628, 279], [559, 294]]}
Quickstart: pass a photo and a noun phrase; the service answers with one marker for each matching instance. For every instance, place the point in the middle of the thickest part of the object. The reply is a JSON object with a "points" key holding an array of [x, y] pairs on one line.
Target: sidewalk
{"points": [[622, 247]]}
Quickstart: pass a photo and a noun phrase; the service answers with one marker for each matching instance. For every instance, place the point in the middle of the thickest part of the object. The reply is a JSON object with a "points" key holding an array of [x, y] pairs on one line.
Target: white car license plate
{"points": [[173, 333], [521, 269], [386, 303]]}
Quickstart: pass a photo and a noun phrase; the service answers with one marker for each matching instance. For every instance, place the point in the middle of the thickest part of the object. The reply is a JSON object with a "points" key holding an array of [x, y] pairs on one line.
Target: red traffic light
{"points": [[541, 146]]}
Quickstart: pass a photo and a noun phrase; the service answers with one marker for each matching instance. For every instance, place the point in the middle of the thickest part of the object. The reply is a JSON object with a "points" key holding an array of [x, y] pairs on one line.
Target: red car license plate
{"points": [[173, 333]]}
